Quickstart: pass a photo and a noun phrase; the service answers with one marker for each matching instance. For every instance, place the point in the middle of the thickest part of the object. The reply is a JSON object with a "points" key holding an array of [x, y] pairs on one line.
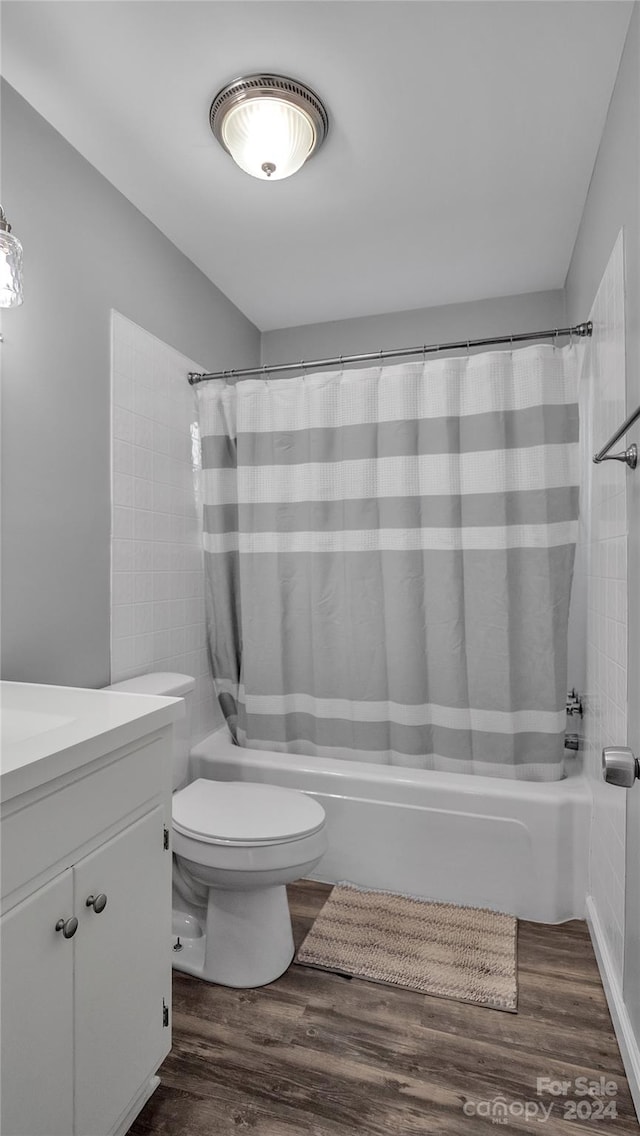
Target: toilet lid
{"points": [[243, 812]]}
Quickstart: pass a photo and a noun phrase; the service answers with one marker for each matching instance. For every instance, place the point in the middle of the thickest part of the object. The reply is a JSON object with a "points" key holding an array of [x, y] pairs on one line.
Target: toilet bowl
{"points": [[236, 845]]}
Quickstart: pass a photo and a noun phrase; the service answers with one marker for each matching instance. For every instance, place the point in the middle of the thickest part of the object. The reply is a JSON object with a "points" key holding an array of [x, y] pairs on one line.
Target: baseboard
{"points": [[125, 1122], [628, 1042]]}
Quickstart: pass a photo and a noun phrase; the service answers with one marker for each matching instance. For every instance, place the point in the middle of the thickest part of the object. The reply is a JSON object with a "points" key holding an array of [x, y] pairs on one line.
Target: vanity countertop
{"points": [[47, 731]]}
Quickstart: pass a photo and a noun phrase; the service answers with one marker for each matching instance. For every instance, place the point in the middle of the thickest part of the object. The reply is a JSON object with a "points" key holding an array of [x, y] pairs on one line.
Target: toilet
{"points": [[236, 845]]}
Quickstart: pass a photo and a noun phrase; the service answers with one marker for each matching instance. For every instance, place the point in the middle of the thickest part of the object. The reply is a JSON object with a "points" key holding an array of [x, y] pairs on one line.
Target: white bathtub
{"points": [[514, 846]]}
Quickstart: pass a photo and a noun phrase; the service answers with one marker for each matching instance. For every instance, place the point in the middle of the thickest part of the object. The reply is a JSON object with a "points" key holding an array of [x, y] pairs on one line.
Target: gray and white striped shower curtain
{"points": [[389, 556]]}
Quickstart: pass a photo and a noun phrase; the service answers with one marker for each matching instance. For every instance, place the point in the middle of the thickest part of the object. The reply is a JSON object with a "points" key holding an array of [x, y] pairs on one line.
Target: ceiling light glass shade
{"points": [[268, 138], [269, 124], [10, 266]]}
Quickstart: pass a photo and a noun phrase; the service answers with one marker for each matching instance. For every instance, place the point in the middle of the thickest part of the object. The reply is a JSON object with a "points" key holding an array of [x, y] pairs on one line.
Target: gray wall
{"points": [[613, 202], [533, 311], [87, 249]]}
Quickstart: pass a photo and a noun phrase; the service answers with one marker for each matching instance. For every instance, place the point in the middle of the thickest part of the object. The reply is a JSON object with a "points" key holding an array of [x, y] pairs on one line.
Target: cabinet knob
{"points": [[97, 902], [67, 926]]}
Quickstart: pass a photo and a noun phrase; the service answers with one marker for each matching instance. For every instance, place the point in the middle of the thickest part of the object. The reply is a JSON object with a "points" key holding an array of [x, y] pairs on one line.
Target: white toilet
{"points": [[236, 844]]}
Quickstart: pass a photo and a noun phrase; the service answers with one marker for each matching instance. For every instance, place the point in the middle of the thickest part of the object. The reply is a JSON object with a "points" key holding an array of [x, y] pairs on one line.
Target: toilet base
{"points": [[247, 940]]}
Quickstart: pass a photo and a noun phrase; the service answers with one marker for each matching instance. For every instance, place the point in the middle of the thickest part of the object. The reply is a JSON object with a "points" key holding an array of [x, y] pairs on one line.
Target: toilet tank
{"points": [[166, 684]]}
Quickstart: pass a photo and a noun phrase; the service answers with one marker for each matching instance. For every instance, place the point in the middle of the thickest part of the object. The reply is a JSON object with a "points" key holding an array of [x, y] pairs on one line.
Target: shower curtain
{"points": [[389, 554]]}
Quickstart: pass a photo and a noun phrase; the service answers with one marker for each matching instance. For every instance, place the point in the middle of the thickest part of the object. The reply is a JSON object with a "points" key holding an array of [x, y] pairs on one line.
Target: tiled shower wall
{"points": [[157, 604], [603, 560]]}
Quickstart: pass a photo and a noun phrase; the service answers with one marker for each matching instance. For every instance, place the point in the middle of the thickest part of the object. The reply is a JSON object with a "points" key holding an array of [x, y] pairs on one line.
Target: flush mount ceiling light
{"points": [[269, 124]]}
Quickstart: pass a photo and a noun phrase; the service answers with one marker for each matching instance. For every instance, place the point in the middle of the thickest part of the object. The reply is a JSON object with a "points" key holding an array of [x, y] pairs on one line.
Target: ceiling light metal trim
{"points": [[271, 86]]}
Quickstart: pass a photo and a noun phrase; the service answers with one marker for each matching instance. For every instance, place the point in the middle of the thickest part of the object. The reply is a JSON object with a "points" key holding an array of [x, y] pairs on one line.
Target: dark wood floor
{"points": [[319, 1054]]}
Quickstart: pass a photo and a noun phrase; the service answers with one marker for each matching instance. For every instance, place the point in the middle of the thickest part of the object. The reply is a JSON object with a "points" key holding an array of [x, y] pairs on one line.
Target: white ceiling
{"points": [[462, 138]]}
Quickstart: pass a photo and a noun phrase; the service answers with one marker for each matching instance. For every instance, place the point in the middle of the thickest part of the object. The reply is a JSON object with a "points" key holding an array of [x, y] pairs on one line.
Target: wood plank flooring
{"points": [[327, 1056]]}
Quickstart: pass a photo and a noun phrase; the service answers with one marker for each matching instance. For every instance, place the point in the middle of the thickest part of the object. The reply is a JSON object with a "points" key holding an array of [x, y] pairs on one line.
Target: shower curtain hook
{"points": [[555, 340], [468, 348]]}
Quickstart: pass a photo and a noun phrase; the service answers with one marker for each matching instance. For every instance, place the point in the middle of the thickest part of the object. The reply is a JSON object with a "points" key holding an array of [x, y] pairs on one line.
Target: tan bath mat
{"points": [[467, 953]]}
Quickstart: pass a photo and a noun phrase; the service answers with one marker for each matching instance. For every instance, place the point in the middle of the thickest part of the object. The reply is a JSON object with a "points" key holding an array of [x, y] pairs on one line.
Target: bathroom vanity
{"points": [[86, 907]]}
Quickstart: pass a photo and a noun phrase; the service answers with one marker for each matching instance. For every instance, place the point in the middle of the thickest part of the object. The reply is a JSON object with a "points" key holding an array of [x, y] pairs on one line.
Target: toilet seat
{"points": [[244, 814]]}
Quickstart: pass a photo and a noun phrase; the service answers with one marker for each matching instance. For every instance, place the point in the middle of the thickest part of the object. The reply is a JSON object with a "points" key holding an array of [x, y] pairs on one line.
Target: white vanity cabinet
{"points": [[36, 1085], [122, 971], [85, 939]]}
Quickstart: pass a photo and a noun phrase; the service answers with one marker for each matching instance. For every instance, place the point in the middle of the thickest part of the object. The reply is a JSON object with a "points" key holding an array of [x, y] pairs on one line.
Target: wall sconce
{"points": [[269, 124], [10, 265]]}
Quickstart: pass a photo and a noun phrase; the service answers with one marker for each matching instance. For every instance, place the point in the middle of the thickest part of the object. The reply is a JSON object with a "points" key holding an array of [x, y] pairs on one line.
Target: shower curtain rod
{"points": [[580, 330]]}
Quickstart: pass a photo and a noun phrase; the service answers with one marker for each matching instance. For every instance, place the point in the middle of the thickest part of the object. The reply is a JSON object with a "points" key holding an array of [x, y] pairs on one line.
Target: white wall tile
{"points": [[122, 522], [603, 553], [122, 489], [157, 582], [122, 457], [122, 555]]}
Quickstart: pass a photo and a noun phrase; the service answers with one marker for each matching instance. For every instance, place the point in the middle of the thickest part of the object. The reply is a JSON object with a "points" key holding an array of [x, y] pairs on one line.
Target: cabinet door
{"points": [[37, 1014], [123, 972]]}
